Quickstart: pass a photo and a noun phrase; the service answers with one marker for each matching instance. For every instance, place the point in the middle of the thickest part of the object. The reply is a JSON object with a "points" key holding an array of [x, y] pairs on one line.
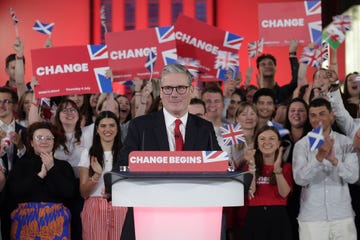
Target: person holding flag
{"points": [[324, 174]]}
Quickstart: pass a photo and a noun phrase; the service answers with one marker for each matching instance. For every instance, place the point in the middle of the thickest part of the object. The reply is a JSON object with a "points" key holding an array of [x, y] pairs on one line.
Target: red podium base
{"points": [[177, 223]]}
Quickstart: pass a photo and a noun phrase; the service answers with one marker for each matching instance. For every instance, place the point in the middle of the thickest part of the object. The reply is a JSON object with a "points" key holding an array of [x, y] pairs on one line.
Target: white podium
{"points": [[177, 205]]}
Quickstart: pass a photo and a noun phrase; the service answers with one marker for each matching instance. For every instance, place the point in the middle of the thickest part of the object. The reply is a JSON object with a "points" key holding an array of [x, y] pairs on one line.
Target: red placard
{"points": [[129, 52], [283, 21], [70, 70], [178, 161], [216, 49]]}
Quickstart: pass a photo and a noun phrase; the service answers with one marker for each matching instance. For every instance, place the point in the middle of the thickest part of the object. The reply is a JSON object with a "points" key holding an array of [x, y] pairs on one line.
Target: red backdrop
{"points": [[72, 27]]}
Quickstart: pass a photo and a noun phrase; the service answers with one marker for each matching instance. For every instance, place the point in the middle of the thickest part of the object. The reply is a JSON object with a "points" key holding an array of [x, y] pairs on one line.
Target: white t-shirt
{"points": [[85, 162]]}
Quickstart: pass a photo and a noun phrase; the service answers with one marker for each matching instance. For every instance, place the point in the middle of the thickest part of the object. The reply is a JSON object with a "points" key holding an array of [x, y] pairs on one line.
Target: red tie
{"points": [[179, 142]]}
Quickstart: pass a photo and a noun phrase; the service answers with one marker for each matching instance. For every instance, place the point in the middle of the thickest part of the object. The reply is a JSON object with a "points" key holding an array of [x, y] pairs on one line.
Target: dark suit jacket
{"points": [[148, 133], [18, 127]]}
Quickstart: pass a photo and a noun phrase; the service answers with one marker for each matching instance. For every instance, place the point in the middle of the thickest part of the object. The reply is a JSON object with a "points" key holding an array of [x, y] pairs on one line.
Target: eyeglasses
{"points": [[44, 138], [6, 102], [68, 110], [168, 90]]}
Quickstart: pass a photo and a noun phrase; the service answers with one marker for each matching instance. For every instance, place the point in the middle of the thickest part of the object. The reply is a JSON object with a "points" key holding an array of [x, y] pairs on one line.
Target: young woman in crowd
{"points": [[267, 217], [67, 119], [82, 102], [246, 115], [39, 185], [298, 124], [100, 219]]}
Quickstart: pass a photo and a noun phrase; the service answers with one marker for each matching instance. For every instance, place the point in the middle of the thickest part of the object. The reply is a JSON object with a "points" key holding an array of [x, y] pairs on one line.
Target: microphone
{"points": [[176, 136]]}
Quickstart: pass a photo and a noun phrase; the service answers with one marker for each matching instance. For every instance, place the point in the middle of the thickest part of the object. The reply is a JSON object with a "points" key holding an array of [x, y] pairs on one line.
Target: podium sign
{"points": [[178, 161], [177, 195]]}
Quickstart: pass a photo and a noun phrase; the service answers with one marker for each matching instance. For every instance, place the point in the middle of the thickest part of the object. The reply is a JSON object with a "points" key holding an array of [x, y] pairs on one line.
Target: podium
{"points": [[177, 205]]}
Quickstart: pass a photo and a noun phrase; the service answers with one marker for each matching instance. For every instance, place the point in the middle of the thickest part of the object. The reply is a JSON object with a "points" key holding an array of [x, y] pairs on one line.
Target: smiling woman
{"points": [[31, 186]]}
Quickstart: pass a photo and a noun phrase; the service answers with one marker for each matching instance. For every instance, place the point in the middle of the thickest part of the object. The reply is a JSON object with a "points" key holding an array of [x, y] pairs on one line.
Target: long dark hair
{"points": [[96, 149], [259, 161], [78, 132], [307, 126]]}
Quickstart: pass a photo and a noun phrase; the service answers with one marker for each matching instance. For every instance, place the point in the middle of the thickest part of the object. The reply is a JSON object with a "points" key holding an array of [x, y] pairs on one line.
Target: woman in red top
{"points": [[267, 216]]}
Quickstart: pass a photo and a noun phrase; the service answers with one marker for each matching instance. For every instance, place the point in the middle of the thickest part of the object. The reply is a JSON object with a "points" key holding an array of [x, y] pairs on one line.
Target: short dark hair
{"points": [[264, 92], [10, 58], [14, 96], [265, 56], [319, 102], [198, 101], [213, 89]]}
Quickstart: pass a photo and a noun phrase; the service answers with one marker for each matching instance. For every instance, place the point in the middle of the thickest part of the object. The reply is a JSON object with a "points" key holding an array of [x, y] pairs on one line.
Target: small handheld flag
{"points": [[232, 134], [43, 28], [309, 56], [13, 16], [150, 61], [282, 131], [342, 22], [254, 48], [316, 138], [333, 36]]}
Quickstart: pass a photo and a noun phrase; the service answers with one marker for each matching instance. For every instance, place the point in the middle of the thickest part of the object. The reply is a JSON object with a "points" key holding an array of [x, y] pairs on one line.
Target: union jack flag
{"points": [[214, 156], [313, 8], [104, 83], [45, 102], [254, 48], [191, 64], [226, 60], [223, 73], [13, 16], [323, 52], [316, 138], [169, 56], [97, 52], [310, 57], [165, 34], [282, 131], [232, 41], [232, 134], [343, 23], [43, 28], [150, 61]]}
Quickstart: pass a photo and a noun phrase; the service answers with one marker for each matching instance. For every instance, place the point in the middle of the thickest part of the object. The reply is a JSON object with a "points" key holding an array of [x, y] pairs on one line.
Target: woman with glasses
{"points": [[67, 119], [100, 220], [39, 185]]}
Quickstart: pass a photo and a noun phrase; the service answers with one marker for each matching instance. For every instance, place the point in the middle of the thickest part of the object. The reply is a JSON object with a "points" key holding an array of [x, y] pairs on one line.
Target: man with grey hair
{"points": [[170, 129]]}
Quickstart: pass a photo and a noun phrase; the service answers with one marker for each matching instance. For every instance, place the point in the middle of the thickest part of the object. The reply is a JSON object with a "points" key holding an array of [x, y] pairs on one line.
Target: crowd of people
{"points": [[54, 155]]}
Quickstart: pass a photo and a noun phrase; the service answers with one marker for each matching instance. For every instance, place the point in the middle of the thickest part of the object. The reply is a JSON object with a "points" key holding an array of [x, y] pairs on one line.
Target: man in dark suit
{"points": [[12, 136], [156, 131]]}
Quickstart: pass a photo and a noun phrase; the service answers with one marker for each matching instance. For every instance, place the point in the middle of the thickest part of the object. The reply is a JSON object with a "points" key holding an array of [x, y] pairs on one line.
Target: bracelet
{"points": [[19, 58], [292, 53], [278, 171]]}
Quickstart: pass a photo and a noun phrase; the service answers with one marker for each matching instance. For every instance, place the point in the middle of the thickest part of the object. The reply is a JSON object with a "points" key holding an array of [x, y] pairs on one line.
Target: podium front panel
{"points": [[173, 192]]}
